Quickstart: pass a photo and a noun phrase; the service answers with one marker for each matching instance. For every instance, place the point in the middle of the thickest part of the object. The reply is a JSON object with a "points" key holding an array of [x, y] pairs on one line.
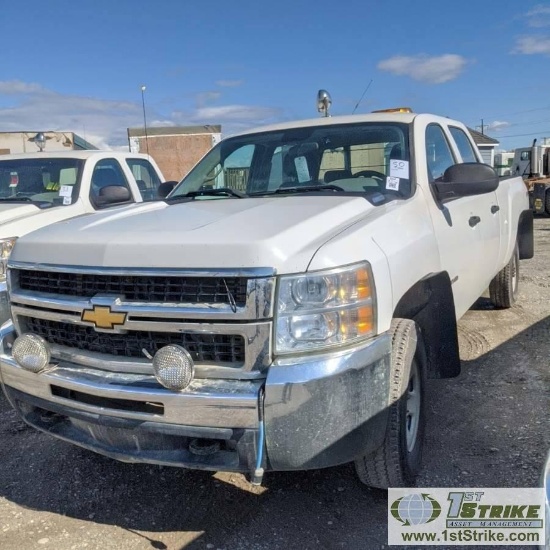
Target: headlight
{"points": [[325, 308], [6, 246]]}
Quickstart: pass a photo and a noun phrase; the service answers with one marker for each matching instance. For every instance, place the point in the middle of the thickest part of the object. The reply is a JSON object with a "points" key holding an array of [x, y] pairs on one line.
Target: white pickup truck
{"points": [[38, 189], [281, 309]]}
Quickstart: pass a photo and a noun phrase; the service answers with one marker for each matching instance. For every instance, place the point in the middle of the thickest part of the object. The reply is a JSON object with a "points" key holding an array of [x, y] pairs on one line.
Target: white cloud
{"points": [[529, 45], [497, 125], [104, 122], [424, 68], [235, 113], [539, 16], [229, 83], [204, 98], [101, 122], [14, 87]]}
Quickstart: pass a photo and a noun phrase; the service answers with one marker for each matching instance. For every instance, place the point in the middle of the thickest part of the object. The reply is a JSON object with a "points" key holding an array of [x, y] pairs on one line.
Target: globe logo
{"points": [[415, 509]]}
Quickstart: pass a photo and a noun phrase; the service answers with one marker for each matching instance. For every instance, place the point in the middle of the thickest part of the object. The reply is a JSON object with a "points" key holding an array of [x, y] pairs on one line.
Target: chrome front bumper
{"points": [[317, 410], [4, 304]]}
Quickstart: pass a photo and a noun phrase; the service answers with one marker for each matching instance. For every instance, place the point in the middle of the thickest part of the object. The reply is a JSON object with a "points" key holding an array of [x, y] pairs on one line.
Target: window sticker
{"points": [[399, 168], [14, 179], [392, 183], [66, 191], [302, 170], [67, 200]]}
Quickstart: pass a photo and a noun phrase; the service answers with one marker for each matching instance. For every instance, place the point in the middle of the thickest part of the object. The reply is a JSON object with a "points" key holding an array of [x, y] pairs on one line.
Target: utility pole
{"points": [[144, 117], [482, 127]]}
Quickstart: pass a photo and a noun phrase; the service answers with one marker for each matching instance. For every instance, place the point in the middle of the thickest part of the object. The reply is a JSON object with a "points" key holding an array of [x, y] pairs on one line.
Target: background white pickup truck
{"points": [[42, 188], [280, 310]]}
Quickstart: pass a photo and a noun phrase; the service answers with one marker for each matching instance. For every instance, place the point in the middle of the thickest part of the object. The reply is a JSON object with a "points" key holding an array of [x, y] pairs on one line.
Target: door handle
{"points": [[474, 220], [494, 209]]}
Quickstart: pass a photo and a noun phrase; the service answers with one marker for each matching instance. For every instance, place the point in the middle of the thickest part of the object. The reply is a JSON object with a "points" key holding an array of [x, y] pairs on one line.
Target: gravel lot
{"points": [[487, 428]]}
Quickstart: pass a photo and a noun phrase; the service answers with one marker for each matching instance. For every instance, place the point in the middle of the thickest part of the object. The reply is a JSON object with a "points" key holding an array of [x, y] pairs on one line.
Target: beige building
{"points": [[176, 149], [26, 142]]}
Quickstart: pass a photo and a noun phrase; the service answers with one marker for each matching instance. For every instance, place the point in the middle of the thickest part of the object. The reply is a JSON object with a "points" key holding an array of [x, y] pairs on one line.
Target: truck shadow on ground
{"points": [[487, 428]]}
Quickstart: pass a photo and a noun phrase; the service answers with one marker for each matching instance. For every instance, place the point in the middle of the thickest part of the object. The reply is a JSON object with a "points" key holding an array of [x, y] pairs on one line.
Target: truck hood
{"points": [[11, 211], [280, 232]]}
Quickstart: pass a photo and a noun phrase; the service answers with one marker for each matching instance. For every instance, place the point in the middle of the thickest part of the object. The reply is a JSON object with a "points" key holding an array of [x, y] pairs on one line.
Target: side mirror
{"points": [[166, 188], [113, 194], [463, 180]]}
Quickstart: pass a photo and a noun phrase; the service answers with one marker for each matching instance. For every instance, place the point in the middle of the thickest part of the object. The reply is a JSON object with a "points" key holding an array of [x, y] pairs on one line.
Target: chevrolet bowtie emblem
{"points": [[103, 317]]}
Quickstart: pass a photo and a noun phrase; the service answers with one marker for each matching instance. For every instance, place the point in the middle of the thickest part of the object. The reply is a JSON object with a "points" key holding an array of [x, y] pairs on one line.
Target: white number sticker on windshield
{"points": [[65, 191], [67, 200], [392, 183], [399, 169]]}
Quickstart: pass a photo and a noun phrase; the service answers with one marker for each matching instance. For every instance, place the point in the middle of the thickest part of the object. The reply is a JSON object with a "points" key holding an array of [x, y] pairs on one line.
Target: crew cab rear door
{"points": [[488, 207], [463, 225]]}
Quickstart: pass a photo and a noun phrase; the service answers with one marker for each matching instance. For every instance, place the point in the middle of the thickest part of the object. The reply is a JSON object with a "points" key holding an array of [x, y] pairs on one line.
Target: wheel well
{"points": [[430, 304]]}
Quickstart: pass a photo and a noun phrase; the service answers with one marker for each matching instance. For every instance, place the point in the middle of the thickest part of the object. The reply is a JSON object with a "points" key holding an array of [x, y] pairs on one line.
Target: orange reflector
{"points": [[356, 322], [364, 320], [395, 110], [364, 290]]}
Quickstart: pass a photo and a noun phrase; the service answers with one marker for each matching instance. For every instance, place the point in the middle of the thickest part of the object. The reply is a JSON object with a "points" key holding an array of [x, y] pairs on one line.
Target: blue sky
{"points": [[79, 66]]}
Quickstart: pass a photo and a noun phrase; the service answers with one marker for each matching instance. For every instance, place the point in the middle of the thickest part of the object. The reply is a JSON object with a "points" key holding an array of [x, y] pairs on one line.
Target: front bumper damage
{"points": [[317, 410]]}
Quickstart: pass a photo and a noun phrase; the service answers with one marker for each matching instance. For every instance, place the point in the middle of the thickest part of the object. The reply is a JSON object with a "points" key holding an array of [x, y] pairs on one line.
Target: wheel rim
{"points": [[412, 418]]}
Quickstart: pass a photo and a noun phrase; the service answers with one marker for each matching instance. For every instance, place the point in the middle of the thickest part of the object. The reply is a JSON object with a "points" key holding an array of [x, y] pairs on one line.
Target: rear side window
{"points": [[438, 152], [146, 178], [464, 145]]}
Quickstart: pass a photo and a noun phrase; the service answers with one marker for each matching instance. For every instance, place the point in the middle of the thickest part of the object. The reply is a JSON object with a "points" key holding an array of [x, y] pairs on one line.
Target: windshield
{"points": [[51, 181], [370, 159]]}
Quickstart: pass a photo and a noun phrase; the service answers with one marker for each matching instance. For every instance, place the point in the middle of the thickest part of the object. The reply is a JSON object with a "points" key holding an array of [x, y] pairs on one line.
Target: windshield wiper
{"points": [[222, 191], [308, 189]]}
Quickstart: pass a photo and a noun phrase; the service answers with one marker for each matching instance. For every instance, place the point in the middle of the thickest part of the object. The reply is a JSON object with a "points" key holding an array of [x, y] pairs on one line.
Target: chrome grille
{"points": [[212, 348], [137, 288], [227, 329]]}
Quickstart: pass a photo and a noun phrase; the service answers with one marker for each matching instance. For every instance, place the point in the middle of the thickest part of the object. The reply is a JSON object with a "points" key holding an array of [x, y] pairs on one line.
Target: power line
{"points": [[523, 135], [529, 122], [519, 112]]}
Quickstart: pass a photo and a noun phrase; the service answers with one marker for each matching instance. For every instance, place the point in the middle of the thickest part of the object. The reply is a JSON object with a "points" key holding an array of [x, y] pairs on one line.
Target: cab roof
{"points": [[406, 118], [332, 120], [82, 154]]}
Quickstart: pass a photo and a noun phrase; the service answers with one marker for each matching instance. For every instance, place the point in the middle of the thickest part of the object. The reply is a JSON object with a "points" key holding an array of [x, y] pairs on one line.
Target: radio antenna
{"points": [[361, 99]]}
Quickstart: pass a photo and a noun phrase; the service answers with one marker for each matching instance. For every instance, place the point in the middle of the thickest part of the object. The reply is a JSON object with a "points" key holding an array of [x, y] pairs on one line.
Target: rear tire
{"points": [[397, 461], [504, 287]]}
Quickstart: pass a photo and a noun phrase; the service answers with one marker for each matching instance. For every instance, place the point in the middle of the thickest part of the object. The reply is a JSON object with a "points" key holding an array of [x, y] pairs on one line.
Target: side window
{"points": [[146, 177], [525, 155], [438, 152], [464, 145], [107, 172]]}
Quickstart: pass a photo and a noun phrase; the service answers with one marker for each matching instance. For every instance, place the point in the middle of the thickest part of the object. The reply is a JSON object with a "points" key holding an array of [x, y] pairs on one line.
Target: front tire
{"points": [[547, 202], [397, 462], [504, 287]]}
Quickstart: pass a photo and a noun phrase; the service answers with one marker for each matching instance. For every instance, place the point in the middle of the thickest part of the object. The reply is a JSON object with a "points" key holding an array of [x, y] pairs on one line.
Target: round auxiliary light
{"points": [[31, 352], [174, 367]]}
